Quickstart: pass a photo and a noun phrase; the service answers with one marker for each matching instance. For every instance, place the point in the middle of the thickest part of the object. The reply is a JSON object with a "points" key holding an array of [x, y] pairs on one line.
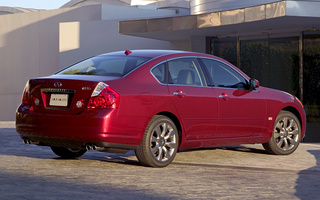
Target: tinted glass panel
{"points": [[254, 59], [223, 75], [284, 64], [105, 66], [185, 71], [225, 48], [311, 78], [159, 73], [273, 61]]}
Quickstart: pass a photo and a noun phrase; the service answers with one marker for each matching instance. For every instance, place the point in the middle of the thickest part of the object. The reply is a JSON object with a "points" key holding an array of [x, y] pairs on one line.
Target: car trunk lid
{"points": [[67, 94]]}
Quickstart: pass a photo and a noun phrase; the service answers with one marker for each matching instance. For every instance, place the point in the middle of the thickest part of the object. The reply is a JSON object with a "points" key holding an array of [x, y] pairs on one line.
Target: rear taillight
{"points": [[26, 96], [103, 97], [28, 99]]}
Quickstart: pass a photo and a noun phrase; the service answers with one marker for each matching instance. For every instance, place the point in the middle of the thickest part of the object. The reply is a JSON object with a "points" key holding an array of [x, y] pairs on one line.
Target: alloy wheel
{"points": [[163, 142]]}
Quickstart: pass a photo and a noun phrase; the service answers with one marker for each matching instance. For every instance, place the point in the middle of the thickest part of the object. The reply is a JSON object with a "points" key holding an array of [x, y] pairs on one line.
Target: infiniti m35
{"points": [[156, 102]]}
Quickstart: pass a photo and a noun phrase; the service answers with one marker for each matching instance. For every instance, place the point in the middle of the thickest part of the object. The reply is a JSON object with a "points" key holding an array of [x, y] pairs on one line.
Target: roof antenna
{"points": [[127, 52]]}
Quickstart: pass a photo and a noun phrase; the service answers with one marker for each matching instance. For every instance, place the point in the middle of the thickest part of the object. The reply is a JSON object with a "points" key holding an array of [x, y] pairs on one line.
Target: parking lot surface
{"points": [[237, 172]]}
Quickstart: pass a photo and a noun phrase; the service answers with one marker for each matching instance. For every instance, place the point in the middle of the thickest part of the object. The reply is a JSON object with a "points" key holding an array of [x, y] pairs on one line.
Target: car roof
{"points": [[146, 53]]}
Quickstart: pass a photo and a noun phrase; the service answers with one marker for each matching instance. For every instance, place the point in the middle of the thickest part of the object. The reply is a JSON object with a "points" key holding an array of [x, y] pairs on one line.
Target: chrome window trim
{"points": [[209, 58], [160, 63], [200, 64], [180, 57]]}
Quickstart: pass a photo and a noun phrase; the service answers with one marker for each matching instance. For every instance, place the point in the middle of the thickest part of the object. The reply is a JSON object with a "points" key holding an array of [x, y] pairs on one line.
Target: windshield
{"points": [[117, 66]]}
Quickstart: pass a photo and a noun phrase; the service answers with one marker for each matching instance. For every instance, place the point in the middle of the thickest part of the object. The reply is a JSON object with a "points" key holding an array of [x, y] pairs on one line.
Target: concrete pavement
{"points": [[239, 172]]}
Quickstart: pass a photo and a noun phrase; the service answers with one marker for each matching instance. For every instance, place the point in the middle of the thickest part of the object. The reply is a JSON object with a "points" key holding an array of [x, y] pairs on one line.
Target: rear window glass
{"points": [[117, 66]]}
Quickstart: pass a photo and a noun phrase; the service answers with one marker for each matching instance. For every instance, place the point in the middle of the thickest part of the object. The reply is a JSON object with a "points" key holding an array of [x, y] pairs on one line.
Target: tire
{"points": [[286, 135], [159, 144], [68, 152]]}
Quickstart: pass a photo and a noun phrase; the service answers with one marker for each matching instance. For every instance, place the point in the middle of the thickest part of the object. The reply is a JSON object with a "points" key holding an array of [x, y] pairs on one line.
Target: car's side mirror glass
{"points": [[254, 83]]}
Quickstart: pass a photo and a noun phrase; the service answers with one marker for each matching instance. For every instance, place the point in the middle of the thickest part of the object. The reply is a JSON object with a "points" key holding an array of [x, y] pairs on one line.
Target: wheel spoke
{"points": [[291, 124], [286, 145], [285, 122], [279, 126], [292, 141], [159, 157], [166, 153], [170, 144], [153, 139], [169, 135], [294, 132], [155, 149], [164, 129], [157, 130], [280, 142]]}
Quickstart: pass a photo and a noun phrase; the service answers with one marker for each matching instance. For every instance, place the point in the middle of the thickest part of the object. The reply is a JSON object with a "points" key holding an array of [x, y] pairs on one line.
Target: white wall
{"points": [[99, 37], [29, 47], [40, 43], [79, 40]]}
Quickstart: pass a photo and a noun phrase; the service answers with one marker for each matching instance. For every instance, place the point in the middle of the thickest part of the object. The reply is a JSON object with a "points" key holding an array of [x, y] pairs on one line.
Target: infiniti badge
{"points": [[57, 84]]}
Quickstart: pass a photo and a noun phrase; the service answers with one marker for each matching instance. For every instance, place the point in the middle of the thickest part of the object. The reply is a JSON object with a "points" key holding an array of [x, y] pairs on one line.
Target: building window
{"points": [[275, 63], [311, 76], [224, 48], [254, 59]]}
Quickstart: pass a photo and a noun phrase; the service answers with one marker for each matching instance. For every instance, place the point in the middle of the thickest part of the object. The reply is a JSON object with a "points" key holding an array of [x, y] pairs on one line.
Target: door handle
{"points": [[224, 96], [179, 93]]}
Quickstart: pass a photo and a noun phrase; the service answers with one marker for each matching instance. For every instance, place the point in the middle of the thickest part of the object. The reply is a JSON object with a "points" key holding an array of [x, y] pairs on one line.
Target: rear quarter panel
{"points": [[141, 97]]}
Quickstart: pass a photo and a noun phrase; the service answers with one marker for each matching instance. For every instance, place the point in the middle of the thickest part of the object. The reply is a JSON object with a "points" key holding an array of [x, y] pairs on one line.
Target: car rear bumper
{"points": [[100, 127]]}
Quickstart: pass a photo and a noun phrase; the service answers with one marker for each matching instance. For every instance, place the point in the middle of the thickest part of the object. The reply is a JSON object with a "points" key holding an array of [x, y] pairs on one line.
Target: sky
{"points": [[37, 4]]}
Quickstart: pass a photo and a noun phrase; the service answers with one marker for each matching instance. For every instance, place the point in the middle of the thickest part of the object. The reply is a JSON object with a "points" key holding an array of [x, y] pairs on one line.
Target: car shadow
{"points": [[246, 149], [13, 145], [117, 158], [238, 148], [308, 184]]}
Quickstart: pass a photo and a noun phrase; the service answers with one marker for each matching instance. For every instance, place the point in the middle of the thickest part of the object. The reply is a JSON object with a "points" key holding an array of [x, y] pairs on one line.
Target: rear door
{"points": [[242, 112], [195, 102]]}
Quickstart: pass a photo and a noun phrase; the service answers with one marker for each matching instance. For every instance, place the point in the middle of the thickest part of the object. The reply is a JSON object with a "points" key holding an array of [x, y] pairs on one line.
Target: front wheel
{"points": [[160, 143], [68, 152], [286, 135]]}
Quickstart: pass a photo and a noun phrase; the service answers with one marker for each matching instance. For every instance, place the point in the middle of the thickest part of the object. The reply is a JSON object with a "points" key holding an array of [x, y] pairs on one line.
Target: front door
{"points": [[242, 112]]}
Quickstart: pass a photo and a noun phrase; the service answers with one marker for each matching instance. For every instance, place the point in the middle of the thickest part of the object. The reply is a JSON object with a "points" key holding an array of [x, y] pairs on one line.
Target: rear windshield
{"points": [[117, 66]]}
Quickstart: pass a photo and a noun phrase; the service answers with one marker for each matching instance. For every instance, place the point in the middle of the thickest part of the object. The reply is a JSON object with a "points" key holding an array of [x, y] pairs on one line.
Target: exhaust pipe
{"points": [[29, 141], [26, 141], [91, 147]]}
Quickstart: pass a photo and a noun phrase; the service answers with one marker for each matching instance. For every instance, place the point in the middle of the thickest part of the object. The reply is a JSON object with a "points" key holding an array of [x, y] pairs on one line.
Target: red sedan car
{"points": [[156, 102]]}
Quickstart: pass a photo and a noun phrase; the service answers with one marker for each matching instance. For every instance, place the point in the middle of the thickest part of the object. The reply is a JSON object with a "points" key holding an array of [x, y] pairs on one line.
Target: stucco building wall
{"points": [[39, 43]]}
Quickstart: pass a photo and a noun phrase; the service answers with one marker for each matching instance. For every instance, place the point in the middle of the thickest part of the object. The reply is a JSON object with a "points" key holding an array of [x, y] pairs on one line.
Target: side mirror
{"points": [[254, 83]]}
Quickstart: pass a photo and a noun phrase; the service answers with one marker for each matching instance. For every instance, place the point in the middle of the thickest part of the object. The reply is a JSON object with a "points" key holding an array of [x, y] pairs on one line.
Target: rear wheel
{"points": [[160, 143], [286, 134], [68, 152]]}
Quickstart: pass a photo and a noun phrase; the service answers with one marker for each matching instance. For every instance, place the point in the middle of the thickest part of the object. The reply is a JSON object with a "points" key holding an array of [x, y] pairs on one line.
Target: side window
{"points": [[159, 72], [185, 71], [223, 75]]}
